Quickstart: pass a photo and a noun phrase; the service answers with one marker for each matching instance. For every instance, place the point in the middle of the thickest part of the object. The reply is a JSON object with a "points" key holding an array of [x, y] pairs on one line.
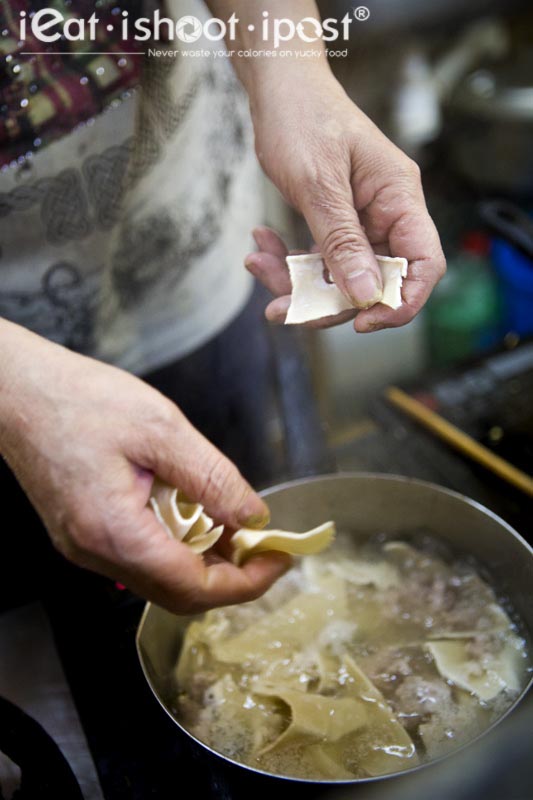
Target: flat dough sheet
{"points": [[314, 298]]}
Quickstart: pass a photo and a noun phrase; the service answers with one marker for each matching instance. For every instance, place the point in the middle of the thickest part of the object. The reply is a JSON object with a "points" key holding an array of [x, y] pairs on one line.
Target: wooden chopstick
{"points": [[460, 440]]}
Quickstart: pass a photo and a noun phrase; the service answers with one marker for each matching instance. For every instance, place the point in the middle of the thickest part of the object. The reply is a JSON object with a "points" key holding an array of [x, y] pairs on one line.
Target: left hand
{"points": [[358, 192], [269, 266]]}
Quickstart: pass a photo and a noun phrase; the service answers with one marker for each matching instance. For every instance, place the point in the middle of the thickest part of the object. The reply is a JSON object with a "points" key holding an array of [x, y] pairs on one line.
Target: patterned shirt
{"points": [[127, 194], [43, 97]]}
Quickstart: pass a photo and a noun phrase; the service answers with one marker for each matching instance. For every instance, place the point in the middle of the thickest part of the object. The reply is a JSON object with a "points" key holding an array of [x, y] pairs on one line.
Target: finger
{"points": [[414, 295], [276, 312], [271, 271], [225, 583], [182, 457], [335, 226], [411, 235], [168, 573], [268, 241]]}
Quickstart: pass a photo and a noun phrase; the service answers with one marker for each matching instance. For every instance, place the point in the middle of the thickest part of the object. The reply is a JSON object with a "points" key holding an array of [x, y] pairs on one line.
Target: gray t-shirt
{"points": [[125, 239]]}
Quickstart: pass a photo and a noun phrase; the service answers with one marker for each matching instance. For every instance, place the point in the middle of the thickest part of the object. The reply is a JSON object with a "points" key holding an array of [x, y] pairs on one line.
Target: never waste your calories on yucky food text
{"points": [[49, 25]]}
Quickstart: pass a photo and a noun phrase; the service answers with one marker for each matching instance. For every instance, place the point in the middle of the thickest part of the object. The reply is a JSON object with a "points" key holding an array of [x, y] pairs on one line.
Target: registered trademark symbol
{"points": [[361, 13]]}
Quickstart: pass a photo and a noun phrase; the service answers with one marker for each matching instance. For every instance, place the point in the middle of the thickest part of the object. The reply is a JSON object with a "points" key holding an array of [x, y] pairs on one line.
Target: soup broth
{"points": [[359, 662]]}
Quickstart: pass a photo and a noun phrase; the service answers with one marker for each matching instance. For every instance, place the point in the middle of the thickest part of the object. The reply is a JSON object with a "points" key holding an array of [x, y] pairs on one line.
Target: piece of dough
{"points": [[484, 677], [247, 542], [182, 519], [379, 737], [294, 626], [313, 716], [313, 297], [381, 575]]}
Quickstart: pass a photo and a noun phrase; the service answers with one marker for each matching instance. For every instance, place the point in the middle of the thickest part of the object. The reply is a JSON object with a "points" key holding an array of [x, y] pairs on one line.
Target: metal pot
{"points": [[361, 505]]}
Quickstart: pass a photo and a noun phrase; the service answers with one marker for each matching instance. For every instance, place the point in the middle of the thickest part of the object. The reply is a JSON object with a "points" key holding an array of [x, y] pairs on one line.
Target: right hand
{"points": [[85, 440]]}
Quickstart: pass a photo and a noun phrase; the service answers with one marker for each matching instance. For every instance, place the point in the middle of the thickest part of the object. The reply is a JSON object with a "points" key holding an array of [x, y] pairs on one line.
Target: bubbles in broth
{"points": [[362, 661]]}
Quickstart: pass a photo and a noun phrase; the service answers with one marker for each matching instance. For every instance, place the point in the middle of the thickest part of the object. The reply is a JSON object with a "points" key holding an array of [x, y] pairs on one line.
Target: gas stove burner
{"points": [[45, 773]]}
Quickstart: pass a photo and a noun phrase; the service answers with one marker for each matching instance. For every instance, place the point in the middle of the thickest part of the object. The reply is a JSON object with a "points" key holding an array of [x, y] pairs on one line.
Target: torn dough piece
{"points": [[381, 575], [313, 610], [313, 297], [182, 519], [314, 716], [486, 679], [248, 542]]}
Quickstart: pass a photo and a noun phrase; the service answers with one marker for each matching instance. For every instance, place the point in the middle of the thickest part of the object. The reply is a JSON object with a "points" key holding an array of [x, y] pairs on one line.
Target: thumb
{"points": [[341, 238], [182, 457]]}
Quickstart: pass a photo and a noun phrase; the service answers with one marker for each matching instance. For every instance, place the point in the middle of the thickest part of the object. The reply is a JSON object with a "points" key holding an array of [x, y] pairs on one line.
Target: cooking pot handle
{"points": [[509, 221]]}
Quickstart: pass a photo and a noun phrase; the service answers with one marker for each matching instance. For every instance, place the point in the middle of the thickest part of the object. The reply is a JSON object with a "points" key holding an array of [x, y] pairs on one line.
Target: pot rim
{"points": [[349, 781]]}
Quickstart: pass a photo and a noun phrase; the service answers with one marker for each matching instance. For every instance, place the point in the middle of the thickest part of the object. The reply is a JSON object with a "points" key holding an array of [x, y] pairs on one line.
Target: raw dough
{"points": [[183, 520], [313, 297], [247, 542], [188, 523]]}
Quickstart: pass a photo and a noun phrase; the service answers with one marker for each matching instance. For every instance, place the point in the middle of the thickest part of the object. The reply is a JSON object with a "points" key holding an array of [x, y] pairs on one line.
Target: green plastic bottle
{"points": [[464, 315]]}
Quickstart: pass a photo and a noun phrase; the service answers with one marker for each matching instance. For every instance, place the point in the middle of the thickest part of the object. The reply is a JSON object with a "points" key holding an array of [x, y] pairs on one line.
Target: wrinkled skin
{"points": [[85, 439], [358, 192]]}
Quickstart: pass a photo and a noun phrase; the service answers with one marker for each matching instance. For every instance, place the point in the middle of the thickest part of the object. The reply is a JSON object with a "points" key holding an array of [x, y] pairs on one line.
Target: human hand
{"points": [[269, 266], [85, 439], [358, 192]]}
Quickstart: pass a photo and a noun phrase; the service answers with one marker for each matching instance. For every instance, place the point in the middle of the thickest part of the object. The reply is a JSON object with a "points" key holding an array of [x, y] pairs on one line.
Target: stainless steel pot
{"points": [[361, 505]]}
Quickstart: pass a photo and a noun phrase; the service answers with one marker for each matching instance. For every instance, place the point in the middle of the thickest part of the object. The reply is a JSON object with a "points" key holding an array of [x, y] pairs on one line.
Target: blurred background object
{"points": [[399, 16]]}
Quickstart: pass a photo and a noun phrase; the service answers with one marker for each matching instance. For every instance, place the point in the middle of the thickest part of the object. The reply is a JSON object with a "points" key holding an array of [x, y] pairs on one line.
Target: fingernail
{"points": [[254, 514], [363, 288]]}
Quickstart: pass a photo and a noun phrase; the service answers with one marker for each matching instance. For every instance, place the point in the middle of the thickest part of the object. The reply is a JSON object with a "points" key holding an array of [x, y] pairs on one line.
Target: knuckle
{"points": [[66, 546], [159, 425], [413, 170], [83, 537], [166, 416], [441, 267], [71, 542], [342, 241], [405, 170], [218, 480], [325, 169]]}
